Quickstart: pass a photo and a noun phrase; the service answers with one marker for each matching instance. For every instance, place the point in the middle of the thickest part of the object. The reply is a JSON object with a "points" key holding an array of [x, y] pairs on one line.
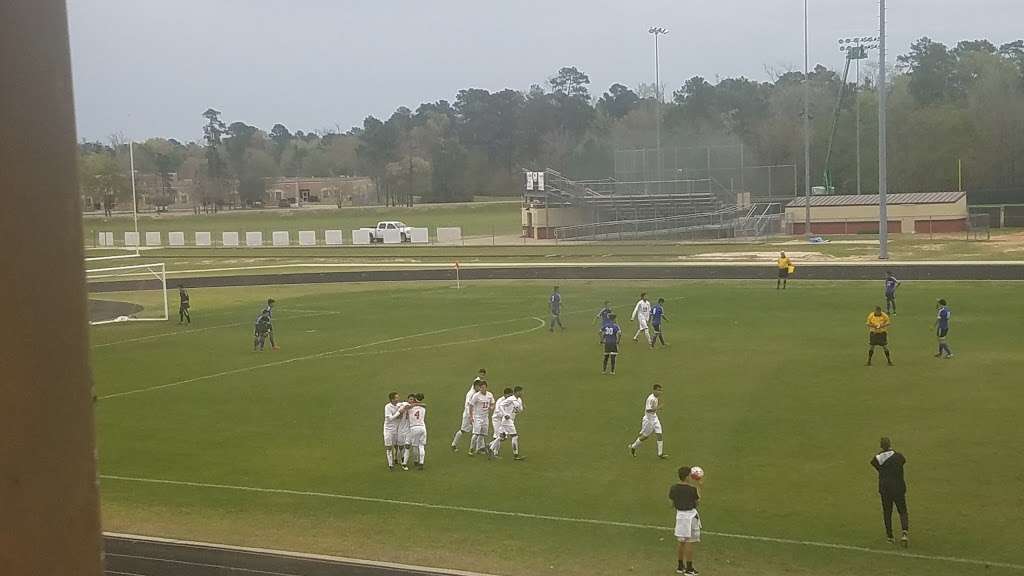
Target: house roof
{"points": [[872, 199]]}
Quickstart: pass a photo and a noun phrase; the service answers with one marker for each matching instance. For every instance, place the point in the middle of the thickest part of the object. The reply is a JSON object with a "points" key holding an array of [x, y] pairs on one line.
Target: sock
{"points": [[515, 445], [661, 447], [613, 363], [405, 456], [423, 455], [604, 367], [391, 457], [458, 436], [689, 565], [871, 353], [636, 443], [888, 357], [682, 565]]}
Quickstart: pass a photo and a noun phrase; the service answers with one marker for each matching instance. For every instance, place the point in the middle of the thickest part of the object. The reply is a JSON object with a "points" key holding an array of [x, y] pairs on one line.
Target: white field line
{"points": [[339, 351], [283, 554], [303, 314], [566, 519], [197, 565]]}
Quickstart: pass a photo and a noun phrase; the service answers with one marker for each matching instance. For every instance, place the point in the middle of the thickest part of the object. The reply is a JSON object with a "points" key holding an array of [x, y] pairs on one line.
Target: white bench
{"points": [[280, 238]]}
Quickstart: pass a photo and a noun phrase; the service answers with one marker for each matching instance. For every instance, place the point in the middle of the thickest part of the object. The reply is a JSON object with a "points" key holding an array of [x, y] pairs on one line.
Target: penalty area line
{"points": [[565, 519], [341, 352]]}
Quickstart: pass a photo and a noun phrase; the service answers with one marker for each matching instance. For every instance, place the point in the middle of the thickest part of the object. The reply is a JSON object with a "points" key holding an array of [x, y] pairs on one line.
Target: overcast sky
{"points": [[150, 68]]}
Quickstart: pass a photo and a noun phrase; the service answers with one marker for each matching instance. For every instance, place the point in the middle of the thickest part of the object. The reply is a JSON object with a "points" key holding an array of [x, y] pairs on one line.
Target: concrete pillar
{"points": [[49, 502]]}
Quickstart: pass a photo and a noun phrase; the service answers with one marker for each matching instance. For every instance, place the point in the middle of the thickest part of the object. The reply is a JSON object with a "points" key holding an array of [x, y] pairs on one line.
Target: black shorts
{"points": [[783, 272], [611, 348], [941, 332], [184, 306], [656, 327], [879, 339], [890, 297]]}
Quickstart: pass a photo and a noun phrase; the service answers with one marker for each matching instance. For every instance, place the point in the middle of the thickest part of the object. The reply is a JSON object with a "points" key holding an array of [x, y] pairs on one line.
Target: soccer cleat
{"points": [[889, 364], [419, 467], [604, 372], [890, 540], [867, 363], [939, 355], [680, 571], [663, 456], [276, 348], [455, 448], [947, 356], [404, 467], [518, 457], [391, 468], [612, 372], [904, 540], [470, 453], [692, 572]]}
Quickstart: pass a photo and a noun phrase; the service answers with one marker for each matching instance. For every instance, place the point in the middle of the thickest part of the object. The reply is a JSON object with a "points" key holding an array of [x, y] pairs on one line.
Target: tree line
{"points": [[950, 109]]}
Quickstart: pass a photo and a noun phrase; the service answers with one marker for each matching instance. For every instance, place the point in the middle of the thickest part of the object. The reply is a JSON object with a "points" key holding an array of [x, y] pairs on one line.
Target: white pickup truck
{"points": [[377, 235]]}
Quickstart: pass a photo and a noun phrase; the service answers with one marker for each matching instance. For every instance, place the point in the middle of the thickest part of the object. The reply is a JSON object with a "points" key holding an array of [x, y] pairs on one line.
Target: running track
{"points": [[143, 556]]}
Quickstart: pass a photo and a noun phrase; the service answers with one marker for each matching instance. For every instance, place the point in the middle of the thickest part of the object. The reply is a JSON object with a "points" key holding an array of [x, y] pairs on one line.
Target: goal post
{"points": [[133, 293]]}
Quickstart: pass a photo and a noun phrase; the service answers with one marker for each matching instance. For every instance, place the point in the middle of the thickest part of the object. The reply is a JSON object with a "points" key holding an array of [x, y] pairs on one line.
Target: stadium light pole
{"points": [[807, 127], [657, 31], [856, 49], [883, 213]]}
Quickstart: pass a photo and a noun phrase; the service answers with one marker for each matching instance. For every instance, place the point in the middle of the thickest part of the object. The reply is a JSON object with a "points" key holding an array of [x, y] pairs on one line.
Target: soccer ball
{"points": [[696, 472]]}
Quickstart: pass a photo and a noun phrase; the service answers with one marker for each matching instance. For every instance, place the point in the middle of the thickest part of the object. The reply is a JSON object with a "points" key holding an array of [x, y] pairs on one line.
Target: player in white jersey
{"points": [[417, 414], [650, 424], [391, 418], [505, 411], [480, 407], [403, 430], [502, 412], [642, 315], [467, 423]]}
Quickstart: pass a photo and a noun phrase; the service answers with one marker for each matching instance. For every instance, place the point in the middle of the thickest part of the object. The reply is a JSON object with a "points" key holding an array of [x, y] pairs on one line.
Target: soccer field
{"points": [[202, 438]]}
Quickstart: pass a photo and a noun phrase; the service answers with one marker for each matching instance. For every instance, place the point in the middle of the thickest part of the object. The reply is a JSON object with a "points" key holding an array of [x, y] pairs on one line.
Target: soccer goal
{"points": [[127, 293]]}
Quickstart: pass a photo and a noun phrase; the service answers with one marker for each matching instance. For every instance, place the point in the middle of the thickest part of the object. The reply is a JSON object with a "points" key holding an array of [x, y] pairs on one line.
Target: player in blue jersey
{"points": [[657, 316], [942, 330], [604, 316], [611, 335], [891, 284], [555, 303]]}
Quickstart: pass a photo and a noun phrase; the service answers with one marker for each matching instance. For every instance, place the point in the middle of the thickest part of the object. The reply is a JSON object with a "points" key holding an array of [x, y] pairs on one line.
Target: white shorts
{"points": [[467, 424], [480, 427], [687, 526], [641, 323], [650, 426], [391, 437], [506, 429], [418, 436], [403, 437], [495, 424]]}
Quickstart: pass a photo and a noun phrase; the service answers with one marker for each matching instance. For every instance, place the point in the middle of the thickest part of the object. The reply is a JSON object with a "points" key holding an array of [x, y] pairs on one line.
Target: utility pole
{"points": [[807, 129], [657, 31], [883, 215]]}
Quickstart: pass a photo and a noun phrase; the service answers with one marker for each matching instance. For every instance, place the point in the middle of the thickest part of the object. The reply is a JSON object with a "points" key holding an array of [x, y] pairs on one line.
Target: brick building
{"points": [[858, 213]]}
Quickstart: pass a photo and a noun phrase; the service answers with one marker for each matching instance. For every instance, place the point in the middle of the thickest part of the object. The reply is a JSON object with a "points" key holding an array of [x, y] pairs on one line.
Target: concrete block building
{"points": [[928, 212]]}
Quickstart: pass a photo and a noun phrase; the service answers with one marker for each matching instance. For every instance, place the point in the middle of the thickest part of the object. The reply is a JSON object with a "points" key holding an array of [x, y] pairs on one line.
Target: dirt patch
{"points": [[103, 310], [759, 256]]}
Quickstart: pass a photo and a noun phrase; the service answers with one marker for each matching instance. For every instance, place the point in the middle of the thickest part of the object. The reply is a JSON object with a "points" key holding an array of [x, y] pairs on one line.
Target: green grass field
{"points": [[475, 219], [764, 389]]}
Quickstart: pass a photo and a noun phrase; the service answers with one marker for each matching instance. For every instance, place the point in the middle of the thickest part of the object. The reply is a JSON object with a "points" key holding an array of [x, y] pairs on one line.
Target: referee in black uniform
{"points": [[892, 488]]}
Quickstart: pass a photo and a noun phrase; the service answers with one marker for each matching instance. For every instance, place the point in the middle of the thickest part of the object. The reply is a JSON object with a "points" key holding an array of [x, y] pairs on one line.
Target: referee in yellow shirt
{"points": [[784, 265], [878, 334]]}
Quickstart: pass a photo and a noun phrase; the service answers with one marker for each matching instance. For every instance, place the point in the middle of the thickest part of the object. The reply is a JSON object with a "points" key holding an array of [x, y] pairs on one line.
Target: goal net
{"points": [[127, 293]]}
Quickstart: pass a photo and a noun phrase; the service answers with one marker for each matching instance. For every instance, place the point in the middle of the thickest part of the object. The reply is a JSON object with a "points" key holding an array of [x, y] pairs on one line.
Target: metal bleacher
{"points": [[621, 210]]}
